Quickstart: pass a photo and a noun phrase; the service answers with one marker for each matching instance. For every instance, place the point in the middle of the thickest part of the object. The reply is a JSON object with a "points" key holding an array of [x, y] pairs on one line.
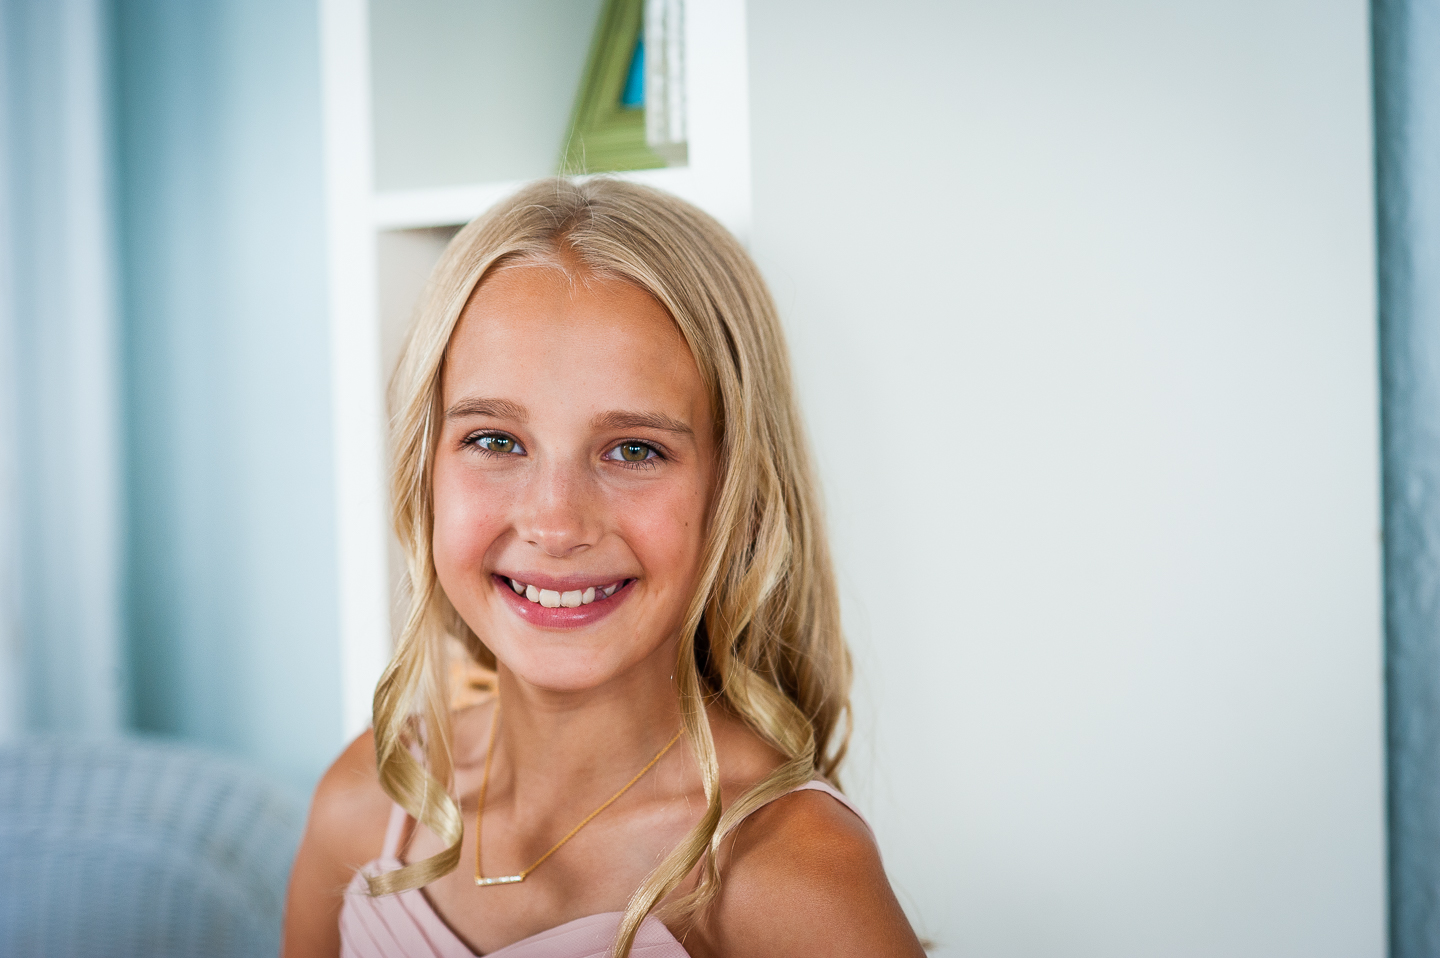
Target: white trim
{"points": [[356, 399]]}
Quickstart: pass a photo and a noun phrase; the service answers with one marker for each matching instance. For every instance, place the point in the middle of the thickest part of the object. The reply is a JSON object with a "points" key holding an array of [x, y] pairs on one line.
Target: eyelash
{"points": [[648, 462], [475, 438]]}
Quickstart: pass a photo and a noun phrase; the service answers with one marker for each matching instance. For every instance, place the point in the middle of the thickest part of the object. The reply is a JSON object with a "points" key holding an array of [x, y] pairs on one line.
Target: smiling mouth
{"points": [[551, 599]]}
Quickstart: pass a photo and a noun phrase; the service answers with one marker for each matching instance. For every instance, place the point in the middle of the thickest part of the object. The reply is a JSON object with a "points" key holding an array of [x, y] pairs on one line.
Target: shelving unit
{"points": [[715, 191], [381, 242]]}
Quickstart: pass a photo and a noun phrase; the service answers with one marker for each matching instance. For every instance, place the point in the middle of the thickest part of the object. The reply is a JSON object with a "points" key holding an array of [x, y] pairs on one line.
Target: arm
{"points": [[803, 878], [346, 828]]}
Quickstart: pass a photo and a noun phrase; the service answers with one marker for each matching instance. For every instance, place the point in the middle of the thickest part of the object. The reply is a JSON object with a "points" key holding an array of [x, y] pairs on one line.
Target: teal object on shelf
{"points": [[633, 96]]}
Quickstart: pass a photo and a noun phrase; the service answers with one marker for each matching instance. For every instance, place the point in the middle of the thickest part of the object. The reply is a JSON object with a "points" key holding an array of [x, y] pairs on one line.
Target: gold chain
{"points": [[480, 878]]}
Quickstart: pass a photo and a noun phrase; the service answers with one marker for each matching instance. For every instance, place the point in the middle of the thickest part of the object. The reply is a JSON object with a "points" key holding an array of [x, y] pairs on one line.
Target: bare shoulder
{"points": [[350, 810], [802, 876], [345, 829]]}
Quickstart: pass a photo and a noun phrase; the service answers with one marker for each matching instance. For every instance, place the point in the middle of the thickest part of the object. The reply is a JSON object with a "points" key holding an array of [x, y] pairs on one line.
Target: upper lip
{"points": [[564, 583]]}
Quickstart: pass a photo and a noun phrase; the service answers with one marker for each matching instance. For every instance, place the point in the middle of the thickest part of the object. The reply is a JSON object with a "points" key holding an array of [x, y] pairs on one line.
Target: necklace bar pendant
{"points": [[501, 880]]}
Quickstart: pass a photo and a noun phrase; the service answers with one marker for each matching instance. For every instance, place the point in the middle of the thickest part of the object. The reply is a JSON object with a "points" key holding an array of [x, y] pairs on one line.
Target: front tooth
{"points": [[570, 600], [588, 597], [518, 586], [532, 593], [549, 598], [610, 589]]}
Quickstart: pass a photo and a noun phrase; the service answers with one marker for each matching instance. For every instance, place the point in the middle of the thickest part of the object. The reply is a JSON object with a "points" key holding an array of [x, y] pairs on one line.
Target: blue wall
{"points": [[232, 617]]}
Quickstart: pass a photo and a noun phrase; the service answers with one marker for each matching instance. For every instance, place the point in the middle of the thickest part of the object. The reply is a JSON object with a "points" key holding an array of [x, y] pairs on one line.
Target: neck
{"points": [[548, 737]]}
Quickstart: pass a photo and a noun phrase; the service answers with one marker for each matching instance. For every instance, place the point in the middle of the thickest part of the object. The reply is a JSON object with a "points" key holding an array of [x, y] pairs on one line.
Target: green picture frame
{"points": [[604, 136]]}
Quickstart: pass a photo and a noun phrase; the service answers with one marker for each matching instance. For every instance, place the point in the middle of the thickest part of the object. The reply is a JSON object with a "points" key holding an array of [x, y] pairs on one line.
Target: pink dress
{"points": [[404, 925]]}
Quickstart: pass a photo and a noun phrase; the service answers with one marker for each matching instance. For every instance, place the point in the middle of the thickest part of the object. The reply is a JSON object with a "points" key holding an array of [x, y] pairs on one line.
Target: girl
{"points": [[603, 491]]}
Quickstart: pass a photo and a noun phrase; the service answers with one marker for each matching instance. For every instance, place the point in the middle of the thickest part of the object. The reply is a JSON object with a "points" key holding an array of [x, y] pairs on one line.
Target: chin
{"points": [[543, 672], [562, 664]]}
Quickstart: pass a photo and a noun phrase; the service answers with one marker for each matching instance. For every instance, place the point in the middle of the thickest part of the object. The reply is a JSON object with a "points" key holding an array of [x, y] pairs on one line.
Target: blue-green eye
{"points": [[500, 445], [633, 452]]}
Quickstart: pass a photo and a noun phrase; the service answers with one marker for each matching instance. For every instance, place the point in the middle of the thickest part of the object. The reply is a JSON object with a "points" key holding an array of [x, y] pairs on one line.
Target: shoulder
{"points": [[350, 810], [802, 876], [346, 829]]}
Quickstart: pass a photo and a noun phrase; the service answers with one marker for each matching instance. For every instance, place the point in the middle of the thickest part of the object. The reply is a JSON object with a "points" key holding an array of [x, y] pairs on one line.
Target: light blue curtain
{"points": [[232, 604], [12, 707], [61, 636], [167, 530], [1407, 127]]}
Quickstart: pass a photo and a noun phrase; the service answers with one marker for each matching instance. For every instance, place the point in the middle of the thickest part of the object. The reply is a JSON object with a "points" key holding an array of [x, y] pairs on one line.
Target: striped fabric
{"points": [[404, 925], [129, 849]]}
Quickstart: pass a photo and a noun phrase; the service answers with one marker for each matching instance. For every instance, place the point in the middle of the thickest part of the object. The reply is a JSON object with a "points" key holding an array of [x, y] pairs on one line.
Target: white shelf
{"points": [[457, 205], [447, 206], [716, 193]]}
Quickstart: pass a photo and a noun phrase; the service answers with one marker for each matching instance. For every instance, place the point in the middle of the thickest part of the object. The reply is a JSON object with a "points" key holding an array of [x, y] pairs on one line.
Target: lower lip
{"points": [[560, 618]]}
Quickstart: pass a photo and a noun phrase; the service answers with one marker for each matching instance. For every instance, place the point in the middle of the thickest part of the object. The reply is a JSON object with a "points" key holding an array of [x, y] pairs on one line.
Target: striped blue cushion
{"points": [[125, 848]]}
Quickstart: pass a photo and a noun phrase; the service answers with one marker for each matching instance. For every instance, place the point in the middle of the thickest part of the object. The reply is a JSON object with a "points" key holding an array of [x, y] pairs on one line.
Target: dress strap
{"points": [[816, 785], [393, 831], [819, 785]]}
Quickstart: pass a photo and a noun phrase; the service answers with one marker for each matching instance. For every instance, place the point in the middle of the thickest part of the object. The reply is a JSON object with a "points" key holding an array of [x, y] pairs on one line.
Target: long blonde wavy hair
{"points": [[761, 636]]}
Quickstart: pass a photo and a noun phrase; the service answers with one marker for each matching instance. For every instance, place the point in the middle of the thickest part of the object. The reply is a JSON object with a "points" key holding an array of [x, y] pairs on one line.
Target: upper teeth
{"points": [[551, 599]]}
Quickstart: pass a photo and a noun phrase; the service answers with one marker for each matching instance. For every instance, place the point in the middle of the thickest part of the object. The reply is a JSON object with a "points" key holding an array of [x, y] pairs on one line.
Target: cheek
{"points": [[668, 530], [464, 527]]}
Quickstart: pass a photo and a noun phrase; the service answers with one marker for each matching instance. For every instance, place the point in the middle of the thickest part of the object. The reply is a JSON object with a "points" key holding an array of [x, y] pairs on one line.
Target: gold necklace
{"points": [[480, 878]]}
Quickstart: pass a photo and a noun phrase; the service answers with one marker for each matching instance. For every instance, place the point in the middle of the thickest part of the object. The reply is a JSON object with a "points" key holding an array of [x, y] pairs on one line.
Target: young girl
{"points": [[603, 490]]}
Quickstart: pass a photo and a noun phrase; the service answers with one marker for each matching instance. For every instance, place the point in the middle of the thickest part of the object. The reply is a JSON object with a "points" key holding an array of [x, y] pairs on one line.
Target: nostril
{"points": [[550, 550]]}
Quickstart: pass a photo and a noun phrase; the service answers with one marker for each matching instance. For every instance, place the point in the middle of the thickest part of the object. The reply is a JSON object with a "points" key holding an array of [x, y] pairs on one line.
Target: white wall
{"points": [[1082, 306]]}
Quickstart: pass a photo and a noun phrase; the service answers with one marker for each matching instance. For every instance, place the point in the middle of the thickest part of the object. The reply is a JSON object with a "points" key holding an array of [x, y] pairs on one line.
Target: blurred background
{"points": [[1116, 323]]}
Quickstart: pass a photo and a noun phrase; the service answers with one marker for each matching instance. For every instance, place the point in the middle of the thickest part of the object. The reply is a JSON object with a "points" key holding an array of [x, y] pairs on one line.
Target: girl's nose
{"points": [[555, 511]]}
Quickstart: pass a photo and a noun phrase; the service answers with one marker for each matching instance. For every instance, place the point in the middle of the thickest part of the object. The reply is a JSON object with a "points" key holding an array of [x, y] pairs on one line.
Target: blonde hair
{"points": [[762, 632]]}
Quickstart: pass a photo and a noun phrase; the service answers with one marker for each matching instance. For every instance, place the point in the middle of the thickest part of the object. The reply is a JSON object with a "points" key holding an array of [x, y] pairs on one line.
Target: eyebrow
{"points": [[494, 408], [621, 419]]}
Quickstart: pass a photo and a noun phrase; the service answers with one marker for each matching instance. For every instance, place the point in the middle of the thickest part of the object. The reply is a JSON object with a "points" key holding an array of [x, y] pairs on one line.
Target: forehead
{"points": [[538, 335]]}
